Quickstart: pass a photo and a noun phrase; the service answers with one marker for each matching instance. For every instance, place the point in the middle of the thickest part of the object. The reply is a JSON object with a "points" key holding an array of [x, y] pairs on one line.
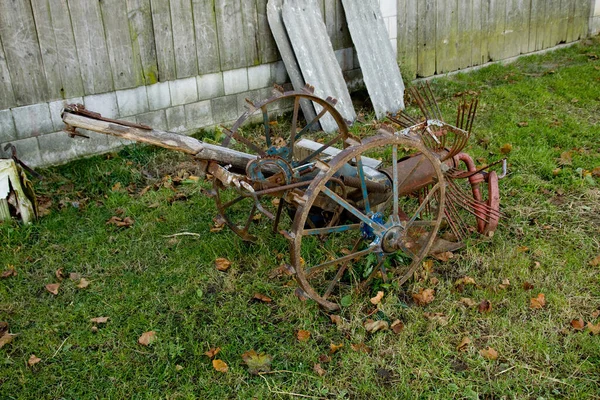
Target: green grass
{"points": [[143, 280]]}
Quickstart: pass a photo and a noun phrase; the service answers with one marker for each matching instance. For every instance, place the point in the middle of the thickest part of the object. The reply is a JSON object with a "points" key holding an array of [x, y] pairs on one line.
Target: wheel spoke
{"points": [[358, 214], [363, 184], [267, 126], [317, 268], [331, 229], [294, 124], [311, 123], [423, 204], [340, 272], [395, 215]]}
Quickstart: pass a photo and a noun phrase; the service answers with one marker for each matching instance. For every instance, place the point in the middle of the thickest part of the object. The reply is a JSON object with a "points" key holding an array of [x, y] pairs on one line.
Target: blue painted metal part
{"points": [[367, 231]]}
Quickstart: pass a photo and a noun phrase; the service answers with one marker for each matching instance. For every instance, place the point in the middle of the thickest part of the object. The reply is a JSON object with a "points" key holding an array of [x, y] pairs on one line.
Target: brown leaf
{"points": [[443, 257], [324, 358], [596, 314], [538, 302], [74, 276], [424, 297], [53, 288], [439, 318], [59, 274], [485, 306], [467, 280], [374, 326], [596, 173], [434, 281], [489, 353], [335, 347], [397, 326], [523, 124], [506, 148], [261, 297], [33, 360], [527, 286], [556, 171], [120, 222], [594, 263], [302, 335], [594, 329], [428, 265], [220, 366], [212, 352], [361, 347], [505, 284], [10, 271], [147, 338], [99, 320], [222, 264], [336, 319], [578, 324], [522, 249], [6, 339], [3, 328], [464, 344], [566, 158], [319, 370], [377, 299], [468, 302], [257, 362], [83, 283]]}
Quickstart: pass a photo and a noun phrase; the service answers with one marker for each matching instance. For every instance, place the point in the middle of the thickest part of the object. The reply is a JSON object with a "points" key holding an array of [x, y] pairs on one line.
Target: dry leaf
{"points": [[83, 283], [523, 124], [527, 286], [260, 297], [120, 222], [538, 302], [361, 347], [212, 352], [566, 158], [74, 276], [397, 326], [468, 302], [464, 344], [522, 249], [324, 358], [220, 366], [257, 362], [53, 288], [302, 335], [428, 265], [374, 326], [424, 297], [489, 353], [596, 314], [445, 256], [6, 339], [222, 264], [505, 284], [147, 338], [596, 173], [485, 306], [33, 360], [578, 324], [594, 263], [3, 328], [434, 281], [99, 320], [505, 149], [178, 367], [594, 329], [335, 347], [116, 187], [319, 370], [10, 271], [336, 319], [59, 274], [467, 280], [439, 318], [377, 299]]}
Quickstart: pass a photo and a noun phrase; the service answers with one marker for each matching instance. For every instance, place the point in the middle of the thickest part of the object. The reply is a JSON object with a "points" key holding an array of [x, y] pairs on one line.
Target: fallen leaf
{"points": [[120, 222], [222, 264], [147, 338], [434, 281], [485, 306], [523, 124], [74, 276], [556, 171], [116, 187], [527, 286], [33, 360], [220, 366], [94, 329], [6, 339], [397, 326], [10, 271], [178, 367], [467, 280], [260, 297], [53, 288], [522, 249], [324, 358], [302, 335], [336, 319], [361, 347], [59, 274], [424, 297], [335, 347], [99, 320], [468, 302], [596, 314], [505, 149], [596, 173], [445, 256], [464, 344], [538, 302], [377, 299], [374, 326], [577, 324], [428, 265], [257, 362], [505, 284], [594, 263], [212, 352], [439, 318], [319, 370], [83, 283], [594, 329], [3, 328], [566, 158], [489, 353]]}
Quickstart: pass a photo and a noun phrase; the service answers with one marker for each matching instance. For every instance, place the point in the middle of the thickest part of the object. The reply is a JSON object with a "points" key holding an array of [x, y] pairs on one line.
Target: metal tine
{"points": [[462, 232], [420, 101], [453, 188], [472, 116], [433, 103], [452, 224], [471, 211]]}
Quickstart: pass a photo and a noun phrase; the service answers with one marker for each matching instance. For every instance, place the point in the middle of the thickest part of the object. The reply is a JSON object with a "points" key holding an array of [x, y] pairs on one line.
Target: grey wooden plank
{"points": [[377, 59], [139, 14], [562, 21], [516, 34], [7, 98], [274, 10], [407, 38], [22, 52], [426, 37], [465, 42], [230, 31], [48, 48], [207, 42], [446, 34], [496, 23], [316, 58], [341, 26], [184, 39], [126, 69], [250, 31], [267, 48], [571, 35], [478, 53], [533, 24], [581, 19], [552, 16], [538, 20], [91, 46], [330, 23], [163, 38]]}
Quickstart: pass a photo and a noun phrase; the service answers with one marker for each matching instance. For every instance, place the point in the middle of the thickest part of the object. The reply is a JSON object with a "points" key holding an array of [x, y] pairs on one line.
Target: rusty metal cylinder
{"points": [[414, 173]]}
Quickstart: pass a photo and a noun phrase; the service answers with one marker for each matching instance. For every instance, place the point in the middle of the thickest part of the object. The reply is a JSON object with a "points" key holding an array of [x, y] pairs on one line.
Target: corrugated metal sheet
{"points": [[287, 53], [376, 56], [314, 53]]}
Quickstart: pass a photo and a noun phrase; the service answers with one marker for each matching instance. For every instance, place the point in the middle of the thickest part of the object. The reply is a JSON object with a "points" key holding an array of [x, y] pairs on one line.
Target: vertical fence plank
{"points": [[581, 19], [496, 24], [184, 40], [571, 35], [552, 16], [465, 40], [479, 54], [342, 26], [250, 30], [22, 51], [91, 46], [446, 31], [207, 43], [7, 98], [426, 25], [267, 48], [127, 69], [516, 35], [407, 37], [330, 23], [534, 17], [231, 41], [139, 14], [163, 38], [48, 48], [563, 20]]}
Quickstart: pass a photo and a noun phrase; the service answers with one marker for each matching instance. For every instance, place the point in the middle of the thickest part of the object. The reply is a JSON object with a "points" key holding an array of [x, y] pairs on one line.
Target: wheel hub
{"points": [[392, 239]]}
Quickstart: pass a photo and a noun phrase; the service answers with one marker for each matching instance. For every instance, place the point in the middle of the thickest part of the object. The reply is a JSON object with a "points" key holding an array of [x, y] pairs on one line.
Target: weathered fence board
{"points": [[91, 46], [250, 31], [139, 14], [186, 57], [581, 19], [267, 48], [465, 43], [344, 39], [426, 37], [407, 36], [163, 36], [48, 47], [446, 33], [232, 43], [496, 24], [516, 32], [7, 98], [22, 51]]}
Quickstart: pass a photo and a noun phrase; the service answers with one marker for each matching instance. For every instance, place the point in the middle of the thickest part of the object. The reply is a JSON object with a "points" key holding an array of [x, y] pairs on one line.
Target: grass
{"points": [[143, 280]]}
